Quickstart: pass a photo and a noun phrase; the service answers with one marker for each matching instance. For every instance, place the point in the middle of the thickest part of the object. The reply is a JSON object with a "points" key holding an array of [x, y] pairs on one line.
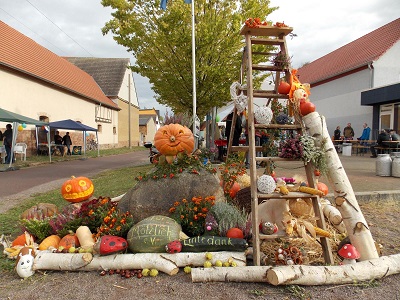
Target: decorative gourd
{"points": [[77, 189], [85, 237], [40, 211], [69, 240], [266, 184], [306, 108], [152, 234], [235, 233], [22, 239], [174, 138], [50, 241]]}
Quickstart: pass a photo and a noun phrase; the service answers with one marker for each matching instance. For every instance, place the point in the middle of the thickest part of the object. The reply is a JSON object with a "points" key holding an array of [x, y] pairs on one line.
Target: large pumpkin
{"points": [[174, 138], [152, 234], [77, 189]]}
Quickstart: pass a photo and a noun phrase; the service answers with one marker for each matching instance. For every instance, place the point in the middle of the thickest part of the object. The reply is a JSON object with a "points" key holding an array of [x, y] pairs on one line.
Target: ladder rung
{"points": [[277, 126], [266, 94], [291, 195], [274, 158], [267, 68], [244, 148], [261, 41], [272, 236]]}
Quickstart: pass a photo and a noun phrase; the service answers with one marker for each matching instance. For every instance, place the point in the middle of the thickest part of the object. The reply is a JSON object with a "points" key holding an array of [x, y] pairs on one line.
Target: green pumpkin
{"points": [[152, 234]]}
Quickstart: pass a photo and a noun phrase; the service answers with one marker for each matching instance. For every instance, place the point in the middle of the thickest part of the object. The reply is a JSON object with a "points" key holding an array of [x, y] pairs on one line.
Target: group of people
{"points": [[384, 138], [63, 141]]}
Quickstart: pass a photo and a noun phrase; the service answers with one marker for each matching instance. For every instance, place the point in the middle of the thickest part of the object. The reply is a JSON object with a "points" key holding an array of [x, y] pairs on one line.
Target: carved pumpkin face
{"points": [[77, 189], [174, 138]]}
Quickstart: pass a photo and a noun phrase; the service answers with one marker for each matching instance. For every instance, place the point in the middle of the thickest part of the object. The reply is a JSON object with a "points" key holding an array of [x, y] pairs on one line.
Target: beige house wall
{"points": [[33, 98]]}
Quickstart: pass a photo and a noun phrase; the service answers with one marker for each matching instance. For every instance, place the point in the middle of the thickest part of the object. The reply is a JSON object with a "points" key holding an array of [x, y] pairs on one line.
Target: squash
{"points": [[69, 240], [40, 211], [50, 241], [306, 108], [235, 233], [19, 240], [152, 234], [174, 138], [77, 189], [213, 243], [85, 237]]}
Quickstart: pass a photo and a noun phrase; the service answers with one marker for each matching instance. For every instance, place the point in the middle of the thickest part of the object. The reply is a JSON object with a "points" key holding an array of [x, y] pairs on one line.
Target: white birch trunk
{"points": [[345, 199], [164, 262], [303, 274]]}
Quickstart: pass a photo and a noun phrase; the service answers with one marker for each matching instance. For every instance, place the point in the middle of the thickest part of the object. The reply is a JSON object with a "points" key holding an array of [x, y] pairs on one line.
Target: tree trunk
{"points": [[164, 262], [345, 199], [302, 274]]}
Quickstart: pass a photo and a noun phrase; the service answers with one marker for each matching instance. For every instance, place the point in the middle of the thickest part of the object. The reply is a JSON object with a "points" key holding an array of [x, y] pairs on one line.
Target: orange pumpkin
{"points": [[174, 138], [69, 240], [284, 87], [234, 189], [323, 188], [77, 189], [235, 233]]}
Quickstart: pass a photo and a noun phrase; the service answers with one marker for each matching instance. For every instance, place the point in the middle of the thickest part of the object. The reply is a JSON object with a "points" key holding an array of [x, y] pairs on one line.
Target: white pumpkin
{"points": [[263, 115], [266, 184]]}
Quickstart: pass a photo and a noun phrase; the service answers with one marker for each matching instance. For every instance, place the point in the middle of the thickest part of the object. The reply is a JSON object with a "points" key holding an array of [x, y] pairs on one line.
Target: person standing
{"points": [[7, 136], [58, 140], [67, 142], [364, 137], [348, 132], [337, 139]]}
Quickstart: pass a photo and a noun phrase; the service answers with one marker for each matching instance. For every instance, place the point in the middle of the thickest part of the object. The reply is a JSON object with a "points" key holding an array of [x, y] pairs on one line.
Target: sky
{"points": [[73, 28]]}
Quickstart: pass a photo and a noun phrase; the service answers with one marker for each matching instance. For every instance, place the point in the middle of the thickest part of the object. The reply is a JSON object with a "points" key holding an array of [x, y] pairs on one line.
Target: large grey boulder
{"points": [[155, 197]]}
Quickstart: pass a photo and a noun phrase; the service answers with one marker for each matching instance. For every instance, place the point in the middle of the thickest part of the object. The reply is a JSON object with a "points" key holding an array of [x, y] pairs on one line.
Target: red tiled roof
{"points": [[352, 56], [21, 53]]}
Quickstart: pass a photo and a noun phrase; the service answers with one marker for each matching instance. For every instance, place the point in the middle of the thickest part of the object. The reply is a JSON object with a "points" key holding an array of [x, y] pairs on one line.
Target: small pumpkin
{"points": [[284, 87], [50, 241], [69, 240], [19, 240], [306, 108], [174, 138], [323, 188], [235, 233], [77, 189]]}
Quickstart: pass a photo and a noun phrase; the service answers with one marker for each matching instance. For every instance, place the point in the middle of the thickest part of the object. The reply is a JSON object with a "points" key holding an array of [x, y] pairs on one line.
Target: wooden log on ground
{"points": [[302, 274], [164, 262], [356, 225], [325, 275]]}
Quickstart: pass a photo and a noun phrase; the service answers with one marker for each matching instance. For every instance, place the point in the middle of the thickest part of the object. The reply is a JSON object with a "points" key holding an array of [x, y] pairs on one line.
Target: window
{"points": [[44, 119], [114, 130], [99, 127]]}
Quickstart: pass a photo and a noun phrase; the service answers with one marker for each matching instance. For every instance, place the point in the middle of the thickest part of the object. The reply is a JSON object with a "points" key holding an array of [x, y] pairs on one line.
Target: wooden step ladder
{"points": [[273, 39]]}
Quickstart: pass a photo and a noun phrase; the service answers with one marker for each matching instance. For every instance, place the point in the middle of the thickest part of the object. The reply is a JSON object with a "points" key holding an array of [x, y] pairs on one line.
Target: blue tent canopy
{"points": [[71, 125]]}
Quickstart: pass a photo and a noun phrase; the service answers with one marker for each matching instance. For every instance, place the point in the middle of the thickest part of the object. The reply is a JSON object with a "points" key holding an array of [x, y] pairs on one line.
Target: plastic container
{"points": [[383, 165], [346, 150]]}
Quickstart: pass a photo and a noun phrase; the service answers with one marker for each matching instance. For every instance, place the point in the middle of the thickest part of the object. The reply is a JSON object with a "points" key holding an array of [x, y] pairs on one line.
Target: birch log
{"points": [[324, 275], [302, 274], [164, 262], [356, 226], [333, 215]]}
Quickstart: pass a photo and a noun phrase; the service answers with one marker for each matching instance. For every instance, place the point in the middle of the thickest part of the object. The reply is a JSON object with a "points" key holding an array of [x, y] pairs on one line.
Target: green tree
{"points": [[161, 43]]}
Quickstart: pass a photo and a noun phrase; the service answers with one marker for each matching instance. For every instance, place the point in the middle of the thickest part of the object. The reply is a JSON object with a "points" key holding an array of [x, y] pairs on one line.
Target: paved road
{"points": [[27, 181]]}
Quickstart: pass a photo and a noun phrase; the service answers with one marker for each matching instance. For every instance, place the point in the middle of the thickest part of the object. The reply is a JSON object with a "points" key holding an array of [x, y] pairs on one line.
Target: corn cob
{"points": [[321, 232], [311, 191], [283, 190]]}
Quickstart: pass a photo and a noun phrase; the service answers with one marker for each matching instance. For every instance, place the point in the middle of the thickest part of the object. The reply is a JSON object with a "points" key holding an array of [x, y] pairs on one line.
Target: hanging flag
{"points": [[164, 3]]}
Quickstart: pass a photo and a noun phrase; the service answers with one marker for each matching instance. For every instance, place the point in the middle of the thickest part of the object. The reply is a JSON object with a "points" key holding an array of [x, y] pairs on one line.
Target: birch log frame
{"points": [[345, 199], [164, 262], [303, 274]]}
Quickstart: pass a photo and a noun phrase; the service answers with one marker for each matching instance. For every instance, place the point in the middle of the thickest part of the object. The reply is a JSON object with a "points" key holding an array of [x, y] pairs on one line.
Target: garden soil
{"points": [[382, 218]]}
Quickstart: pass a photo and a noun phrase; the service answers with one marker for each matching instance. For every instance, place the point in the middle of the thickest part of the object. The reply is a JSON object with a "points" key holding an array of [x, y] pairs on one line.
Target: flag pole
{"points": [[194, 71]]}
